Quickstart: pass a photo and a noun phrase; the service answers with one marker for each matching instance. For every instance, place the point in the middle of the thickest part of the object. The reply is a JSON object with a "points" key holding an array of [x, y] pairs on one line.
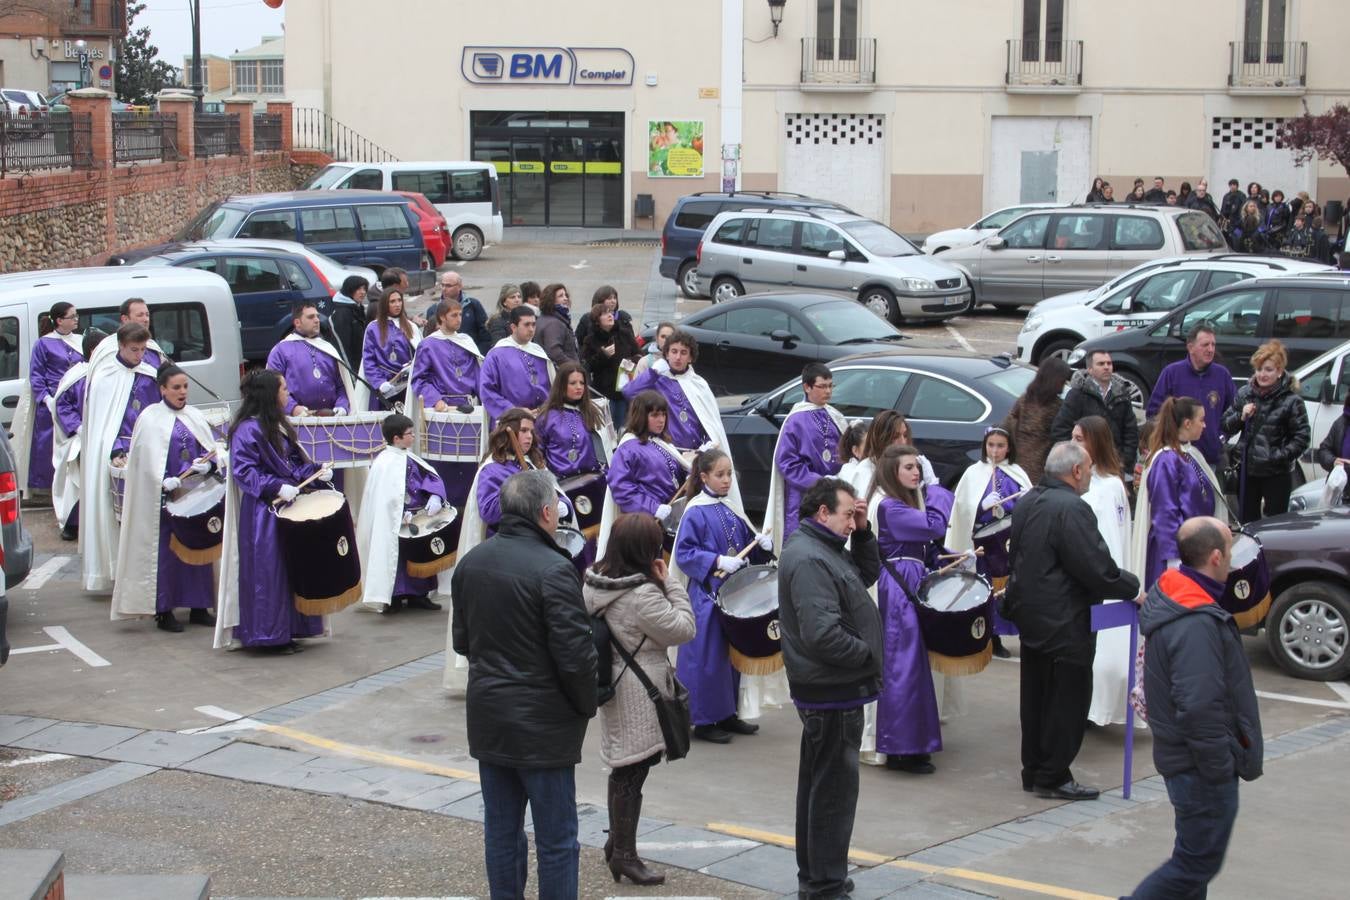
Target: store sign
{"points": [[555, 66], [73, 52]]}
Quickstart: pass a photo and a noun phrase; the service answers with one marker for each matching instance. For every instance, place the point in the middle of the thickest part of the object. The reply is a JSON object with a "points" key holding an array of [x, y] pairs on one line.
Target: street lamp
{"points": [[82, 53], [195, 11], [776, 14]]}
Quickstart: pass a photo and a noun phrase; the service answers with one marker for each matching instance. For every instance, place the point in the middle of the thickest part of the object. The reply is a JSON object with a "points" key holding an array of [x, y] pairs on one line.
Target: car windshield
{"points": [[327, 178], [1012, 381], [1000, 218], [213, 222], [879, 239], [849, 323]]}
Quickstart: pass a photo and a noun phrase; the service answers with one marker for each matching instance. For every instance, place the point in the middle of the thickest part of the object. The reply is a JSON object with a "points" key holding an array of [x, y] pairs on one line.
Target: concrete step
{"points": [[138, 887], [31, 874]]}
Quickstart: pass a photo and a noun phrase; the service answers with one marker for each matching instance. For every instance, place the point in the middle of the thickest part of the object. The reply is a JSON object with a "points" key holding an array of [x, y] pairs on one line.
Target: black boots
{"points": [[202, 617], [625, 807], [166, 622]]}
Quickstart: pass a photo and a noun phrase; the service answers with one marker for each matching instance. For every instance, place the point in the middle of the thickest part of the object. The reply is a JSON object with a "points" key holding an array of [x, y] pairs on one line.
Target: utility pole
{"points": [[197, 88]]}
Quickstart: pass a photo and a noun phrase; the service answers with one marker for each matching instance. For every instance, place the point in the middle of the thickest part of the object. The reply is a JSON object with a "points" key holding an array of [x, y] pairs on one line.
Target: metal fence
{"points": [[216, 134], [1276, 65], [314, 129], [141, 136], [267, 131], [1045, 63], [839, 60], [61, 140]]}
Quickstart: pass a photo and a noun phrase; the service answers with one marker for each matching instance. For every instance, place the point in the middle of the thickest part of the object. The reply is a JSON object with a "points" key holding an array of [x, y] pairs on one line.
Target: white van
{"points": [[192, 317], [465, 193]]}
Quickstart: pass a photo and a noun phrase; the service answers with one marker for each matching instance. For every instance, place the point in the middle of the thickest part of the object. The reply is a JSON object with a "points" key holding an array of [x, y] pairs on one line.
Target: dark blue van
{"points": [[360, 228]]}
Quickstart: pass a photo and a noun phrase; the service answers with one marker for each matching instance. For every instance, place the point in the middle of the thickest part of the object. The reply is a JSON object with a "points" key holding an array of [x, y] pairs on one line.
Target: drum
{"points": [[117, 478], [428, 543], [570, 540], [318, 543], [955, 616], [671, 524], [993, 539], [587, 495], [1247, 594], [218, 417], [451, 436], [345, 441], [747, 607], [196, 520]]}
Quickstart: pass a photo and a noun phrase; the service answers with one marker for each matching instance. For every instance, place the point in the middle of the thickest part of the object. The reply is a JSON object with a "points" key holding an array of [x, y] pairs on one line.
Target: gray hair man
{"points": [[1060, 568], [475, 317], [520, 620]]}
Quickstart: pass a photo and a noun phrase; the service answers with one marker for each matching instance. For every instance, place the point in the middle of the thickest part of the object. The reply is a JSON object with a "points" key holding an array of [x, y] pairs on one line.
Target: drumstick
{"points": [[947, 568], [183, 474], [748, 547], [323, 468], [962, 555]]}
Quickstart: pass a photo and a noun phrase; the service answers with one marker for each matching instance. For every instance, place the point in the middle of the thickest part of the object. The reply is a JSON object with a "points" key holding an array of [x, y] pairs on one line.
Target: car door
{"points": [[1134, 240], [331, 230], [815, 271], [1013, 273], [767, 260], [13, 333], [749, 360], [1076, 253], [1324, 391], [1239, 319], [945, 418], [389, 237], [1310, 321], [262, 297]]}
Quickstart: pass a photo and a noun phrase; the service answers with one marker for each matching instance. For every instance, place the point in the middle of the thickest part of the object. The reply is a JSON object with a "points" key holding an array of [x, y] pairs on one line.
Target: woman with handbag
{"points": [[1269, 415], [647, 611]]}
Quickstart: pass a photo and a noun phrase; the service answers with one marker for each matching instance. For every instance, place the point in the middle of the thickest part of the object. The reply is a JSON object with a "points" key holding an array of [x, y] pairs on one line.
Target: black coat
{"points": [[1231, 207], [520, 620], [603, 367], [1084, 400], [1330, 450], [1060, 568], [1204, 204], [1156, 195], [1276, 434], [473, 322]]}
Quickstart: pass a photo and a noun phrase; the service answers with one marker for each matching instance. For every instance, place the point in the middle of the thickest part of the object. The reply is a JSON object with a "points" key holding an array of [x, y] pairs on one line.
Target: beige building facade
{"points": [[922, 115]]}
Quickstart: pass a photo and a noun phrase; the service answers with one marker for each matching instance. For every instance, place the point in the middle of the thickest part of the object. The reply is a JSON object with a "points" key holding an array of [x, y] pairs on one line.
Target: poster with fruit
{"points": [[675, 149]]}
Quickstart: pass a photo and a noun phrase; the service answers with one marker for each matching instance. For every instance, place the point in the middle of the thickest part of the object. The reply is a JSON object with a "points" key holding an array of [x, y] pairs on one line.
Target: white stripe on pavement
{"points": [[1290, 698], [34, 760], [17, 650], [693, 845], [960, 339], [63, 637], [233, 721], [43, 573], [1341, 689]]}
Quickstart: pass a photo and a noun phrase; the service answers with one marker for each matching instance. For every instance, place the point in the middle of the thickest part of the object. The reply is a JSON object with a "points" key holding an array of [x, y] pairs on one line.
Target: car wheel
{"points": [[687, 279], [726, 289], [468, 243], [431, 261], [1058, 349], [1138, 390], [881, 302], [1307, 629]]}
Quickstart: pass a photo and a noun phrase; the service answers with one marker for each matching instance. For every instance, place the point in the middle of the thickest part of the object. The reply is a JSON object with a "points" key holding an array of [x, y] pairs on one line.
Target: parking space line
{"points": [[1342, 690], [63, 637], [960, 339], [43, 573], [1310, 701]]}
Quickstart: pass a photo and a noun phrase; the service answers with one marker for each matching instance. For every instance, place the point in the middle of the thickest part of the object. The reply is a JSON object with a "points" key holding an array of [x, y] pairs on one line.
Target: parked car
{"points": [[1324, 384], [466, 193], [435, 230], [1138, 298], [1308, 624], [333, 272], [1309, 313], [756, 343], [1048, 252], [950, 398], [761, 249], [14, 537], [942, 241], [20, 103], [691, 216]]}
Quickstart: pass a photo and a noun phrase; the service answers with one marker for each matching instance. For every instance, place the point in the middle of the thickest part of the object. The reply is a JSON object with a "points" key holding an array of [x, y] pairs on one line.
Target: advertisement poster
{"points": [[675, 149]]}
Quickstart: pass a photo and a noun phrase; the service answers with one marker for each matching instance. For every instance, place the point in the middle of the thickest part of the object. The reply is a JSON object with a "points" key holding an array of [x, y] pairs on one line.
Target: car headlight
{"points": [[1076, 356], [1032, 323], [915, 285]]}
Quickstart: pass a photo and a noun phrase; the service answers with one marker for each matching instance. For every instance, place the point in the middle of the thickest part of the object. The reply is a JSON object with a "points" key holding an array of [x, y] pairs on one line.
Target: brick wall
{"points": [[73, 218]]}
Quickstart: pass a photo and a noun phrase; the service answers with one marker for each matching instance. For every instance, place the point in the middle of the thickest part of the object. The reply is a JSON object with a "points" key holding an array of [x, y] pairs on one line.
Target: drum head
{"points": [[671, 523], [993, 528], [571, 540], [1245, 550], [751, 592], [953, 591], [423, 524], [203, 495], [310, 507]]}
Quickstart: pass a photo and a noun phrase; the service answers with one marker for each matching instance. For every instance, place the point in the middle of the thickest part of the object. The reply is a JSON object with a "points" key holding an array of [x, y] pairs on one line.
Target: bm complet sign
{"points": [[579, 66]]}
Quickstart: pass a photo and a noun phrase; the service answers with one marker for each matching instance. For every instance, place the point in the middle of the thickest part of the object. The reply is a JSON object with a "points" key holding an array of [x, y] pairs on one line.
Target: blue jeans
{"points": [[552, 795], [1205, 814]]}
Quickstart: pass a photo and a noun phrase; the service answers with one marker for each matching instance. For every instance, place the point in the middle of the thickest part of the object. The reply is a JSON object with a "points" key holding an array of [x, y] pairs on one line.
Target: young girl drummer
{"points": [[710, 536]]}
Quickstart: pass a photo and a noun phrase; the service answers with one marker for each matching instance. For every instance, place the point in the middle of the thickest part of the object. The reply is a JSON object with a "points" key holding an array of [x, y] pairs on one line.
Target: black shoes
{"points": [[712, 734], [1001, 651], [913, 763], [423, 603], [395, 605], [69, 534], [166, 622], [202, 617], [1069, 790], [736, 725]]}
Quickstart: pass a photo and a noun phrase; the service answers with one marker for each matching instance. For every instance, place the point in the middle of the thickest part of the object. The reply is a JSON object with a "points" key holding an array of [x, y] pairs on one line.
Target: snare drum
{"points": [[196, 521], [587, 495], [993, 539], [573, 543], [747, 607], [451, 436], [345, 441], [319, 545], [428, 543], [117, 479], [955, 617], [670, 525], [1247, 594]]}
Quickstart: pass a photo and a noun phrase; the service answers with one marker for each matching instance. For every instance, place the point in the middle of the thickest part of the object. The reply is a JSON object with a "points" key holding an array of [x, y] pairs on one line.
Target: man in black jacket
{"points": [[520, 620], [1158, 193], [1201, 708], [1231, 208], [1098, 391], [474, 319], [832, 648], [1060, 568]]}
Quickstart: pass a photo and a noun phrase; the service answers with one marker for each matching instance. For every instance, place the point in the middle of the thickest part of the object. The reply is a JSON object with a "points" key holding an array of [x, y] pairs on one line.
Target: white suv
{"points": [[831, 251], [1142, 295]]}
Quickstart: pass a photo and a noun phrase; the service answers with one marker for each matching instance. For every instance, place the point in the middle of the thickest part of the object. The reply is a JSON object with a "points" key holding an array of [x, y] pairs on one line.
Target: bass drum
{"points": [[955, 616], [427, 543], [1246, 596], [318, 542], [196, 521], [747, 607]]}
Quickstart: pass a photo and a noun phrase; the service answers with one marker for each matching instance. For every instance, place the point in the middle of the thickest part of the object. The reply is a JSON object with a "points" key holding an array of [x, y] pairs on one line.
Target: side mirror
{"points": [[782, 336], [837, 255], [1325, 392], [995, 243]]}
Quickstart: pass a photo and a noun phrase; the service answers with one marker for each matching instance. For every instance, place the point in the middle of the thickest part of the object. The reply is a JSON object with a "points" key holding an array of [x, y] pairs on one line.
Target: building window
{"points": [[1042, 23], [1264, 20], [836, 29], [272, 80], [246, 77]]}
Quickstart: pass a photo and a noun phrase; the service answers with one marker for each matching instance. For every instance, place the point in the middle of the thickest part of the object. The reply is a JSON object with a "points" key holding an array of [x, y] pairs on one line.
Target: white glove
{"points": [[288, 492], [765, 541], [661, 367], [325, 475], [171, 483], [707, 445], [201, 466], [386, 387], [407, 517], [928, 475], [662, 511], [730, 564], [434, 505], [990, 502], [339, 410], [1173, 563], [563, 509]]}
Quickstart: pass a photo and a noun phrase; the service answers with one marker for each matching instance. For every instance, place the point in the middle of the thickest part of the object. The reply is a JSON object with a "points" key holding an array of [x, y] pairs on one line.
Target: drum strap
{"points": [[895, 574]]}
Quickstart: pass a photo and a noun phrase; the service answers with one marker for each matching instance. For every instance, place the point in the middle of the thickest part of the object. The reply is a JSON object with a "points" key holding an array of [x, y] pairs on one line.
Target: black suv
{"points": [[1309, 314], [685, 225]]}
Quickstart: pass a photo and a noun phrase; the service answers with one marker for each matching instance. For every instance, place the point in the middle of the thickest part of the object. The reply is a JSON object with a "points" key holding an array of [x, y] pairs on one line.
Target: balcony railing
{"points": [[140, 136], [266, 131], [314, 129], [839, 61], [60, 140], [217, 134], [1047, 65], [1263, 66]]}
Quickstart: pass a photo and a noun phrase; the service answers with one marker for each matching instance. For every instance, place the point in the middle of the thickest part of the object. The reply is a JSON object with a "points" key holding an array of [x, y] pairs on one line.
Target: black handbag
{"points": [[671, 712]]}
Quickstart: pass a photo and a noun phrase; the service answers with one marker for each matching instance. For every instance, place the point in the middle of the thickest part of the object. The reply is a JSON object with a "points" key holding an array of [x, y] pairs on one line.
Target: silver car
{"points": [[752, 250]]}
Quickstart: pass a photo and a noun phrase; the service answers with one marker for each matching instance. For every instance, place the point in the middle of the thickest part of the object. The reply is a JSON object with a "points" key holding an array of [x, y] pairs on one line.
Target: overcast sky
{"points": [[227, 26]]}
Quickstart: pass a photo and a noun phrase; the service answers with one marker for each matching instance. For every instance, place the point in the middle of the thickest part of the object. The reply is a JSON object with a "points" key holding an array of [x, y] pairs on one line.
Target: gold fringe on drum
{"points": [[754, 665], [194, 557], [428, 569], [326, 606], [1250, 618], [961, 665], [999, 582]]}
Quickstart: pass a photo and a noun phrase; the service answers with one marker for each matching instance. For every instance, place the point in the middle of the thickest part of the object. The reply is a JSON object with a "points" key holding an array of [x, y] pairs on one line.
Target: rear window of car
{"points": [[1198, 232], [1078, 232], [383, 223], [1012, 381], [181, 329], [1137, 233], [9, 347], [328, 224], [696, 214], [277, 225], [435, 185], [1303, 313], [774, 234], [473, 186], [16, 96], [936, 399]]}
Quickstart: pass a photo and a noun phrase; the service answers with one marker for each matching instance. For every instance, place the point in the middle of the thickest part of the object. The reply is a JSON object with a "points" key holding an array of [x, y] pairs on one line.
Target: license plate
{"points": [[958, 300]]}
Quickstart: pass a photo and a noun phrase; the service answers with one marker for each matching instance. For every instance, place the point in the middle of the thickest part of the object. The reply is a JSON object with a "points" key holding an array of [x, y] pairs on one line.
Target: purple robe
{"points": [[179, 585], [144, 394], [994, 563], [566, 442], [642, 477], [703, 666], [70, 413], [420, 486], [907, 712], [684, 427], [512, 377], [297, 361], [51, 358], [490, 480], [267, 613], [381, 362], [1177, 491], [1215, 390], [443, 370], [805, 454]]}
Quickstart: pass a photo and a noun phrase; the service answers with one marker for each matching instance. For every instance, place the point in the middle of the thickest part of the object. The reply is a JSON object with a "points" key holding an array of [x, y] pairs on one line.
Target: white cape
{"points": [[377, 528], [326, 348], [775, 514], [137, 581], [1111, 665], [360, 395], [974, 481], [704, 404], [25, 414], [108, 347], [531, 348], [66, 452], [1143, 510], [462, 341]]}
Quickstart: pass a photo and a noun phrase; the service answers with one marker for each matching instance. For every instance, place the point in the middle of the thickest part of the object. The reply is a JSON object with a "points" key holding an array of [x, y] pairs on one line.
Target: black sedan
{"points": [[948, 397], [1308, 625], [753, 345]]}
